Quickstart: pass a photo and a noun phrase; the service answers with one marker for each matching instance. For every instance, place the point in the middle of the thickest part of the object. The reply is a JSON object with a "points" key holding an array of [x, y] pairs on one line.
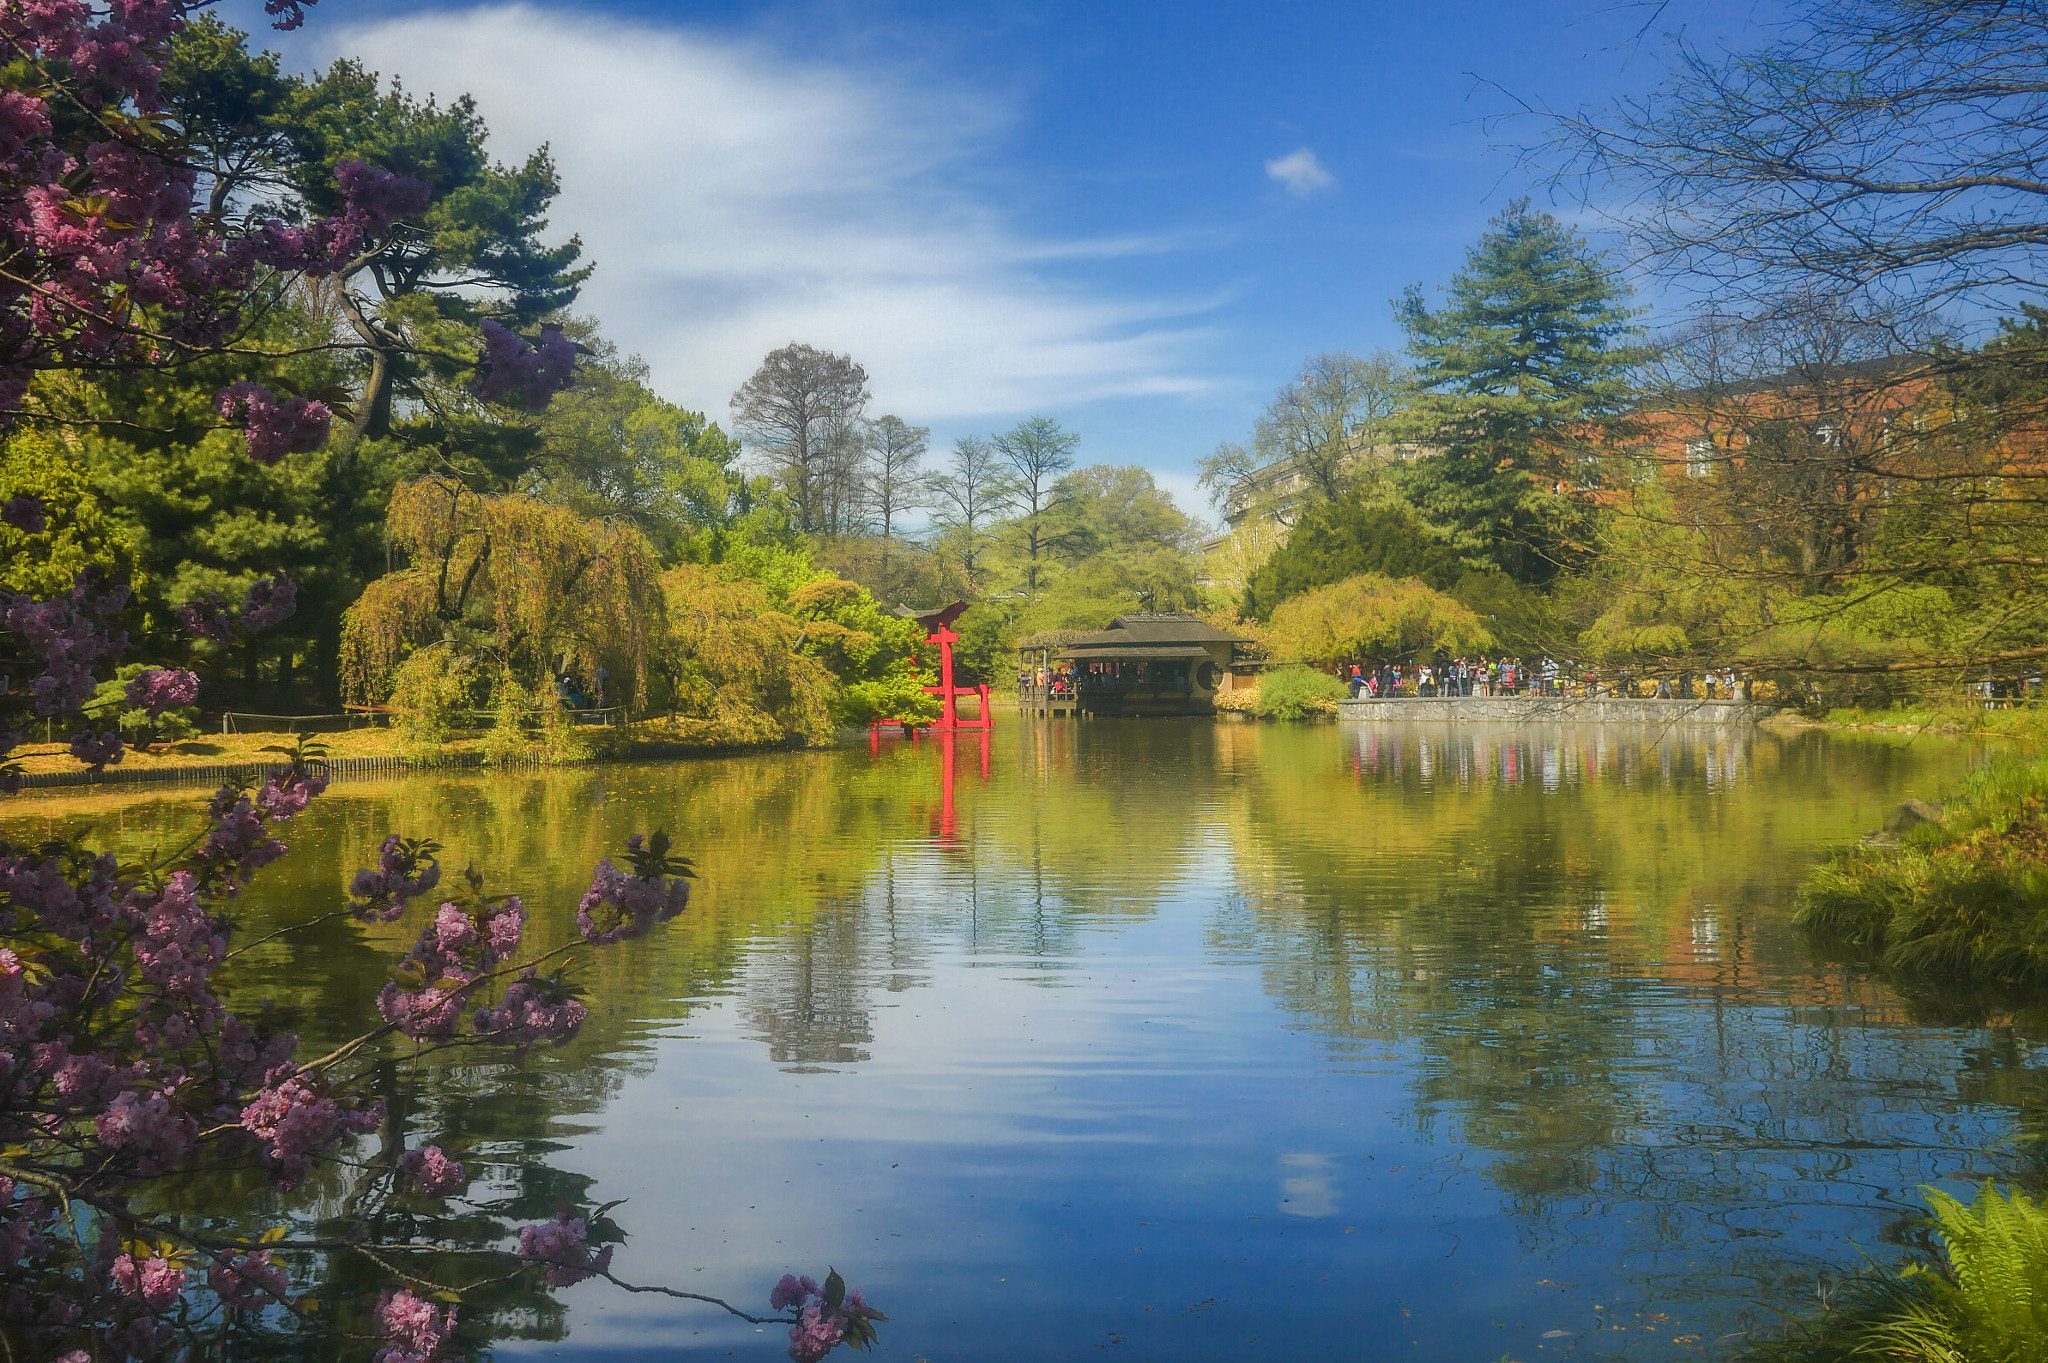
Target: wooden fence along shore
{"points": [[230, 773]]}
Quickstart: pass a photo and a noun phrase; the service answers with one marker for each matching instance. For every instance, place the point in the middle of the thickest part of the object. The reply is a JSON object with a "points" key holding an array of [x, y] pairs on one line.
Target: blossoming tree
{"points": [[127, 1070]]}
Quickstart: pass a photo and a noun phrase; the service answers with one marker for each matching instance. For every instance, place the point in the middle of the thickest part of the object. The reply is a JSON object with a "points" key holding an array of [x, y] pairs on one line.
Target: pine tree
{"points": [[1524, 375]]}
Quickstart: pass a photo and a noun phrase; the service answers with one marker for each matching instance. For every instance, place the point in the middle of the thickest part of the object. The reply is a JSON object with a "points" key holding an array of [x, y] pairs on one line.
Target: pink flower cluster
{"points": [[237, 845], [288, 792], [247, 1281], [178, 946], [534, 374], [533, 1010], [98, 222], [150, 1129], [460, 944], [563, 1245], [269, 601], [377, 198], [95, 749], [618, 906], [827, 1316], [294, 1121], [405, 871], [414, 1330], [24, 513], [162, 688], [158, 1282], [96, 226], [274, 426], [119, 1063], [432, 1172], [372, 200], [72, 634]]}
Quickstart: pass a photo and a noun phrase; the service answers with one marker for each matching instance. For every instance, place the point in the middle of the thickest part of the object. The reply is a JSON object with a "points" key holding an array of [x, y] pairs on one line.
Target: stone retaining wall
{"points": [[1550, 710]]}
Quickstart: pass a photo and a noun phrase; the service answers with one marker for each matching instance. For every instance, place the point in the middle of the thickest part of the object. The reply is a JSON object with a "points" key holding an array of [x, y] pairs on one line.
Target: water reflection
{"points": [[1152, 1035]]}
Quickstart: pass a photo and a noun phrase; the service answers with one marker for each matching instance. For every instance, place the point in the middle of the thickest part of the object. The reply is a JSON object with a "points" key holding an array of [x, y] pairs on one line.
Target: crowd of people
{"points": [[1510, 676]]}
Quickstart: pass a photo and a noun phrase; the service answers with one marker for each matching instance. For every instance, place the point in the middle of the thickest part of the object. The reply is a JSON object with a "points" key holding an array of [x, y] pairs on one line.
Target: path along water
{"points": [[1190, 1041]]}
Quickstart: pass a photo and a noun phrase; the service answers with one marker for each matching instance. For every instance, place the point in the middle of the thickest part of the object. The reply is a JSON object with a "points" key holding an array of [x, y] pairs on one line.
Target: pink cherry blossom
{"points": [[432, 1171], [414, 1330], [160, 689], [563, 1246]]}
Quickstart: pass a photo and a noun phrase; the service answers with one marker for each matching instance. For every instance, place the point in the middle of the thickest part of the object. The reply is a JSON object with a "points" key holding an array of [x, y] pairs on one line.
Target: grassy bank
{"points": [[1957, 716], [1960, 901], [648, 738]]}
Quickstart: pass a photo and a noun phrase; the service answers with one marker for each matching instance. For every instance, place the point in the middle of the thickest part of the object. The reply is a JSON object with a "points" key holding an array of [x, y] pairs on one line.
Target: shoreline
{"points": [[78, 781]]}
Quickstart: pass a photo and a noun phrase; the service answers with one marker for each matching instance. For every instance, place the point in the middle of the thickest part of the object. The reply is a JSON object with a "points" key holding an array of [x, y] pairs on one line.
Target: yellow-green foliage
{"points": [[1983, 1300], [1372, 616], [1297, 693], [1244, 700], [512, 707], [734, 662], [428, 690], [76, 533], [879, 660], [527, 584], [1950, 714], [1964, 900]]}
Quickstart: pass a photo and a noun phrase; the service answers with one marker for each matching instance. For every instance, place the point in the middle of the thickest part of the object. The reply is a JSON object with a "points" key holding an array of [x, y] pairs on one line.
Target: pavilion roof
{"points": [[1083, 653], [1165, 627]]}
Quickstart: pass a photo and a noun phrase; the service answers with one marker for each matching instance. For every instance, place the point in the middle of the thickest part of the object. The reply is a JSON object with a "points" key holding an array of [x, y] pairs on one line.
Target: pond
{"points": [[1190, 1040]]}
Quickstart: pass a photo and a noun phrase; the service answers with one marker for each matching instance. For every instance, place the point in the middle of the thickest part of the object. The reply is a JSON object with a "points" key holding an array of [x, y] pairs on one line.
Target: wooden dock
{"points": [[1044, 700]]}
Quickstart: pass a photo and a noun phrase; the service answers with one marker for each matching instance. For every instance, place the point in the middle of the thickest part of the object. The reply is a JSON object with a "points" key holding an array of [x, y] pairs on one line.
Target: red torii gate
{"points": [[938, 627]]}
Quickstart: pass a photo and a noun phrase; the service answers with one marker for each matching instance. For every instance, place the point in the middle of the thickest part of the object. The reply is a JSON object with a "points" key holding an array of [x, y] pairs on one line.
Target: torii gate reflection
{"points": [[946, 825]]}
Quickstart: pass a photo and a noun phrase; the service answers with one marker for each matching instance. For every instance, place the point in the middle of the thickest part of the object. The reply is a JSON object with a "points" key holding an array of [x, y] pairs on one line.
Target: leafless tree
{"points": [[1326, 417], [1038, 453], [1891, 152], [802, 410], [1795, 441], [968, 497], [893, 482]]}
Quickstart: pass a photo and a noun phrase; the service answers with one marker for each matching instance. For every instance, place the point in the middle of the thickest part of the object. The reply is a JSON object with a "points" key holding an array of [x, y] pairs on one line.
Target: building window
{"points": [[1699, 456]]}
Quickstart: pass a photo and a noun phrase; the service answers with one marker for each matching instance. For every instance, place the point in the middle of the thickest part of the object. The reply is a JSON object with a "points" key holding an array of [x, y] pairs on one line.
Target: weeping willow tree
{"points": [[1370, 616], [502, 592], [735, 664]]}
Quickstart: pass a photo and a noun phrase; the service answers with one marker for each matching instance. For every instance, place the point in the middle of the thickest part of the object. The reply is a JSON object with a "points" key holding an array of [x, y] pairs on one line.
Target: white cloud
{"points": [[1299, 173], [735, 200]]}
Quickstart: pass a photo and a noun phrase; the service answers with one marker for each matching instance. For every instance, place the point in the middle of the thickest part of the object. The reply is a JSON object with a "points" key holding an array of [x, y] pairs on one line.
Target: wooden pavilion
{"points": [[1169, 663]]}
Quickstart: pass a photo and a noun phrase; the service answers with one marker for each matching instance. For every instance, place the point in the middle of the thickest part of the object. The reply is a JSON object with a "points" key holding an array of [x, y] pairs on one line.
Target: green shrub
{"points": [[1982, 1299], [1962, 901], [1298, 693]]}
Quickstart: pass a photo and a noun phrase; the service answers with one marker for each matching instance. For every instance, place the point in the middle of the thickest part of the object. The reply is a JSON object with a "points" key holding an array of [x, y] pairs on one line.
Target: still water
{"points": [[1180, 1040]]}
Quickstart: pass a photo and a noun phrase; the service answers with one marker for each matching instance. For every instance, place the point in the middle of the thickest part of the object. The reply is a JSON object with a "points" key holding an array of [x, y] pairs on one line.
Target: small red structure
{"points": [[938, 628]]}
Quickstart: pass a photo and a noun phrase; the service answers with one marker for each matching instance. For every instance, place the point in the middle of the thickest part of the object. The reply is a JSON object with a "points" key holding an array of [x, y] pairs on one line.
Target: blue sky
{"points": [[1138, 218]]}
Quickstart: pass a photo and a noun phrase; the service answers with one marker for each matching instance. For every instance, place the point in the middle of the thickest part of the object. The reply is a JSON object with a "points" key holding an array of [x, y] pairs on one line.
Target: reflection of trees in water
{"points": [[1039, 856], [1578, 947], [1577, 944], [539, 834], [806, 996]]}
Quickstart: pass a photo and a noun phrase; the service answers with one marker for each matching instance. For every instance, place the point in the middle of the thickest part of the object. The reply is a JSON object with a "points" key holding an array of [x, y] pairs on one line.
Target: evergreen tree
{"points": [[1524, 374], [412, 302], [1364, 532]]}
